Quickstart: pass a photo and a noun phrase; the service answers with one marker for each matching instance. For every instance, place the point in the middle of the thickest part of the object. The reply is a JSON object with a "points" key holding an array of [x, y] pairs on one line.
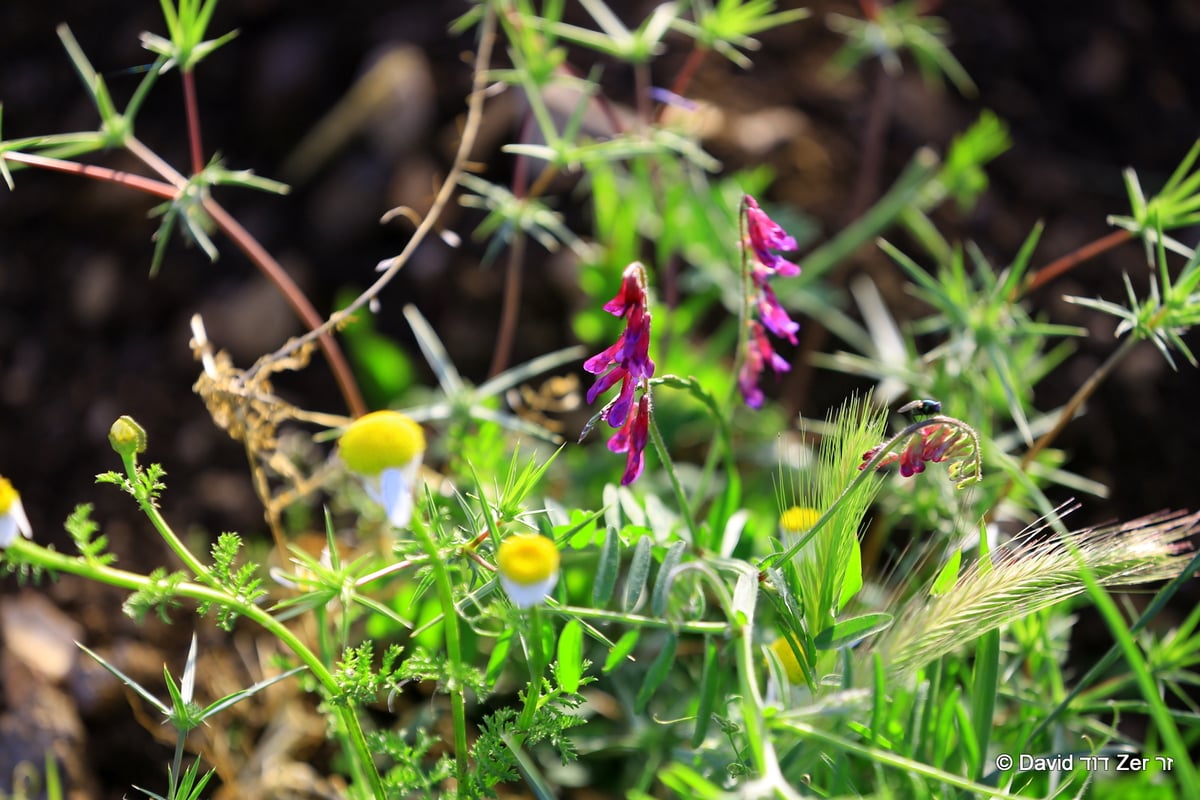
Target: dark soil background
{"points": [[1087, 88]]}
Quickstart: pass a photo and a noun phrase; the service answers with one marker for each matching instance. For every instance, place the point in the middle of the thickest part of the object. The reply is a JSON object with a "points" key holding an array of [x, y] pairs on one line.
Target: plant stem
{"points": [[392, 266], [445, 590], [686, 73], [864, 471], [511, 307], [273, 271], [870, 166], [699, 628], [296, 299], [181, 550], [1073, 259], [664, 458], [240, 236], [537, 664], [30, 553], [140, 182], [1077, 400], [192, 109]]}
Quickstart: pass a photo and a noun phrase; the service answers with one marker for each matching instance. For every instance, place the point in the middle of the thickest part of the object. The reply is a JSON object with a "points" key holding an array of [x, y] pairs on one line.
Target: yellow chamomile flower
{"points": [[385, 449], [12, 515], [797, 519], [528, 568], [791, 666]]}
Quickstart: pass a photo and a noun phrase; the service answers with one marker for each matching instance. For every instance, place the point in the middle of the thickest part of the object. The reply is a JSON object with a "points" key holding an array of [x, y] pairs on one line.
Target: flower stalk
{"points": [[26, 552], [627, 362]]}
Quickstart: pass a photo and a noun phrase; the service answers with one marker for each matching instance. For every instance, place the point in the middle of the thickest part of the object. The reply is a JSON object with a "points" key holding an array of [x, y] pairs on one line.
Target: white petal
{"points": [[524, 595], [392, 489], [8, 530], [12, 522]]}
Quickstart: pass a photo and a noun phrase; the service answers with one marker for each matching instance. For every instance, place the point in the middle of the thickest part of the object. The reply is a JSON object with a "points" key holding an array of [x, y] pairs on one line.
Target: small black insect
{"points": [[920, 408]]}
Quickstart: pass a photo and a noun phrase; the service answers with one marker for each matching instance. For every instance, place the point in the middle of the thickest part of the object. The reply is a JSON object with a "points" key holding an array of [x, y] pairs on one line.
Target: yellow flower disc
{"points": [[8, 495], [380, 440], [527, 558], [791, 666], [798, 520]]}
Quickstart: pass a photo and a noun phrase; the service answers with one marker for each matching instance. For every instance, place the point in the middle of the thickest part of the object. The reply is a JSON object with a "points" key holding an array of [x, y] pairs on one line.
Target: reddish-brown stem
{"points": [[512, 304], [867, 184], [139, 182], [242, 238], [1076, 402], [684, 79], [193, 120], [1061, 266], [642, 102], [275, 273]]}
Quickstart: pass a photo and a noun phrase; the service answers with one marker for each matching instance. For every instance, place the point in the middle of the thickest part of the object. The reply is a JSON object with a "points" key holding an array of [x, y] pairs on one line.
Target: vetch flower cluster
{"points": [[627, 361], [385, 449], [528, 567], [942, 439], [763, 238], [12, 515]]}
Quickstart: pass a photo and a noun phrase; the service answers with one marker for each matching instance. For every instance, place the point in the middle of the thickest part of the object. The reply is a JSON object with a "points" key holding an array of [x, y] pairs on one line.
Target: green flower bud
{"points": [[127, 437]]}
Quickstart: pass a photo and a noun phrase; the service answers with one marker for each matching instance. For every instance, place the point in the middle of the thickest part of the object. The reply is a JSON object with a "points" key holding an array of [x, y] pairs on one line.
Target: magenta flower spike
{"points": [[759, 355], [631, 440], [627, 361], [766, 235], [931, 444], [763, 237]]}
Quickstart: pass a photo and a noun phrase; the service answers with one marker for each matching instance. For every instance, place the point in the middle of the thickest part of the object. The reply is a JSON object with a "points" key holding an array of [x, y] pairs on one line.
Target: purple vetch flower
{"points": [[773, 315], [631, 439], [627, 361], [929, 445], [759, 355], [764, 236]]}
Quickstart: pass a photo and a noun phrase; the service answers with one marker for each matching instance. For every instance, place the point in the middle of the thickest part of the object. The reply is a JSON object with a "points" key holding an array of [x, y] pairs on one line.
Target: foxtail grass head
{"points": [[1032, 572]]}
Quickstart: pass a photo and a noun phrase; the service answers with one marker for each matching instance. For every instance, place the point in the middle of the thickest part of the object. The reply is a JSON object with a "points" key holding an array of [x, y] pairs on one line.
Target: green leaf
{"points": [[852, 578], [710, 689], [948, 574], [686, 782], [639, 571], [621, 650], [128, 681], [745, 596], [606, 569], [569, 668], [659, 669], [851, 630], [499, 657], [662, 584], [985, 683]]}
